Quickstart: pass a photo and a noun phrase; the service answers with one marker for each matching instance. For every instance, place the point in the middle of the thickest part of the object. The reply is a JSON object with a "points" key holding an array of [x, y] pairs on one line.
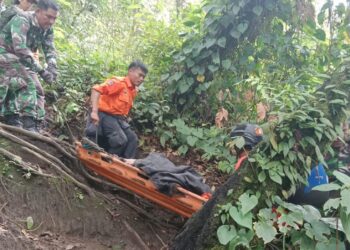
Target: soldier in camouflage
{"points": [[18, 8], [20, 90]]}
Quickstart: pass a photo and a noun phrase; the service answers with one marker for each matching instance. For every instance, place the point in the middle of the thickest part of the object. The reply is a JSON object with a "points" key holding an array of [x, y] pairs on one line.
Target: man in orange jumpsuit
{"points": [[111, 103]]}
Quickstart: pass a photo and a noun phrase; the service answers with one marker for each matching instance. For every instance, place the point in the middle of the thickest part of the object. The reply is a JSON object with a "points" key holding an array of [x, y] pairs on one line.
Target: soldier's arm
{"points": [[19, 30], [49, 48]]}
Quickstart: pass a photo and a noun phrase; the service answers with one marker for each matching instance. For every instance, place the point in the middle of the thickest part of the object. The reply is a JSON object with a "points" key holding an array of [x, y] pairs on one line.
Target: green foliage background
{"points": [[206, 56]]}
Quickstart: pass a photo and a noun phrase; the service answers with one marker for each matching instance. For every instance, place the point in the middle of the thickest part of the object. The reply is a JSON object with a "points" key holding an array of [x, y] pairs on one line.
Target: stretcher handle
{"points": [[186, 192]]}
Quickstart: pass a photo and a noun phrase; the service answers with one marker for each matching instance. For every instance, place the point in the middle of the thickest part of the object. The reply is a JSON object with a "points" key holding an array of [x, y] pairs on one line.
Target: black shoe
{"points": [[13, 120], [29, 124]]}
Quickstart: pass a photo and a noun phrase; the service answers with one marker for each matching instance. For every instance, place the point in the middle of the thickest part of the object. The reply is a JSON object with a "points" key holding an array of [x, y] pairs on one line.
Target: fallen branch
{"points": [[24, 165], [70, 177], [136, 235]]}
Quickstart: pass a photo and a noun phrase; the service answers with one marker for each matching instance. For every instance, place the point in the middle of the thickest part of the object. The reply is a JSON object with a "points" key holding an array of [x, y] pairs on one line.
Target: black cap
{"points": [[251, 133]]}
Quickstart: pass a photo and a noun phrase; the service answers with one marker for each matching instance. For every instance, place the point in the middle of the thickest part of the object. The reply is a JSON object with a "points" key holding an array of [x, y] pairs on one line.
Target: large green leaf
{"points": [[222, 42], [235, 34], [242, 27], [191, 140], [345, 220], [226, 233], [257, 10], [342, 178], [345, 200], [243, 238], [248, 202], [240, 218], [265, 230], [332, 243], [331, 204], [327, 187]]}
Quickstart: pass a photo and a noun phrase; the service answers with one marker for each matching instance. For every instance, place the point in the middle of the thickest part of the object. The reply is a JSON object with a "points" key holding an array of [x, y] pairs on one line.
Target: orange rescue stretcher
{"points": [[183, 202]]}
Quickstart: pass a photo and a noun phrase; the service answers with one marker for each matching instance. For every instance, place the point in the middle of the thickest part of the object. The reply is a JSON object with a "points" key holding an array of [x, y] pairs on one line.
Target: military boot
{"points": [[29, 124], [13, 120]]}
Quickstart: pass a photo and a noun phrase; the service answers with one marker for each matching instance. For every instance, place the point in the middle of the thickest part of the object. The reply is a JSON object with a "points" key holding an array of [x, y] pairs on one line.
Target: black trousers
{"points": [[113, 134]]}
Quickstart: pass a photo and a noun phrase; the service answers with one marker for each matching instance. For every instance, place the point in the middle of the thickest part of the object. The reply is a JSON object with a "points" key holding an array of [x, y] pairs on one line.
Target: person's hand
{"points": [[94, 117], [47, 76], [52, 68]]}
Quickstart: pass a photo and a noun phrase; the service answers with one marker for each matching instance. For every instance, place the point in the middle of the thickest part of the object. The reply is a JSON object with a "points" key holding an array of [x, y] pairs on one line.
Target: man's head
{"points": [[46, 13], [137, 72]]}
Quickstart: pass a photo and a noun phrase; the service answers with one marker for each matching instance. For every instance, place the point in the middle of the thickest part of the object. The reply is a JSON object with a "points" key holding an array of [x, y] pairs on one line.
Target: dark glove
{"points": [[52, 68], [46, 76]]}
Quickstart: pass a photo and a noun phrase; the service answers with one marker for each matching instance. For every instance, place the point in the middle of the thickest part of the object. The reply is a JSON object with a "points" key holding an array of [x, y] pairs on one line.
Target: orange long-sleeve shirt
{"points": [[116, 96]]}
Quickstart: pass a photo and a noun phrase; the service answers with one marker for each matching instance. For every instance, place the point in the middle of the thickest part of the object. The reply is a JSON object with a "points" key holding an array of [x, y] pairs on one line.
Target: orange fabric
{"points": [[117, 95]]}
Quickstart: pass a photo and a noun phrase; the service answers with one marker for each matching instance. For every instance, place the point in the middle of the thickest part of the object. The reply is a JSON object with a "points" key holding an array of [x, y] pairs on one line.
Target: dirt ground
{"points": [[47, 213]]}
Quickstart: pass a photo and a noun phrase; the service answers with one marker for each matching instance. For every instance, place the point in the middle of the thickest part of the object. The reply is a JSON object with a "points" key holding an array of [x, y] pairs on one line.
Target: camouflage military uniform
{"points": [[20, 88], [7, 14]]}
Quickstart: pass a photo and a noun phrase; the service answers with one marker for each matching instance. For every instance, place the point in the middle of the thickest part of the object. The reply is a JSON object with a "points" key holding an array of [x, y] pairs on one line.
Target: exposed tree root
{"points": [[26, 166], [40, 137], [136, 236], [67, 175]]}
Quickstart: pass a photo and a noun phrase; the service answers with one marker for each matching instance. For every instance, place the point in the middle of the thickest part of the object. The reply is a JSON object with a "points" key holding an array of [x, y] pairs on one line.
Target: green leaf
{"points": [[240, 218], [243, 238], [319, 155], [265, 230], [345, 221], [248, 202], [239, 142], [345, 199], [226, 64], [275, 177], [210, 42], [257, 10], [183, 86], [235, 9], [340, 92], [222, 42], [342, 177], [332, 204], [235, 34], [337, 101], [327, 187], [307, 243], [308, 161], [242, 27], [216, 58], [332, 243], [326, 121], [262, 176], [273, 142], [226, 233], [213, 68], [183, 149], [191, 140], [30, 222], [320, 34]]}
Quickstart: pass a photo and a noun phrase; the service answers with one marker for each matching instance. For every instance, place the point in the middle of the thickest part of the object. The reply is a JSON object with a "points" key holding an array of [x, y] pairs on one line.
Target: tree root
{"points": [[22, 142], [40, 137], [136, 235], [26, 166], [70, 177]]}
